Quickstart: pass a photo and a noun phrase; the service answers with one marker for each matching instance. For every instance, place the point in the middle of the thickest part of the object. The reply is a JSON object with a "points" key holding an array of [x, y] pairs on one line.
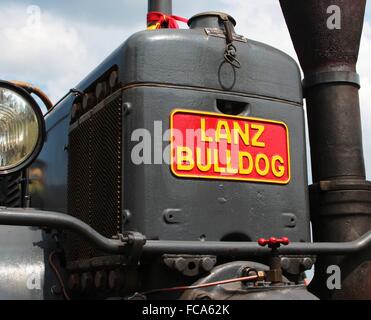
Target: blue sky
{"points": [[74, 36]]}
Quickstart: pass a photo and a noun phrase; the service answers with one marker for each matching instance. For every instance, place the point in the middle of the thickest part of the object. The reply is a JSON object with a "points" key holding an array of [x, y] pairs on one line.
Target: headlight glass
{"points": [[19, 129]]}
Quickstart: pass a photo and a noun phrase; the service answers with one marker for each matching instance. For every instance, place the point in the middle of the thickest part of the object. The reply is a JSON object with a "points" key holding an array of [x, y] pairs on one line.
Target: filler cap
{"points": [[210, 19]]}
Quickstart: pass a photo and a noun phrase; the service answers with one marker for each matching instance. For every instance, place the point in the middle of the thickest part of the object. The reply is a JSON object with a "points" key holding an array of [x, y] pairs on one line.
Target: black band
{"points": [[331, 77]]}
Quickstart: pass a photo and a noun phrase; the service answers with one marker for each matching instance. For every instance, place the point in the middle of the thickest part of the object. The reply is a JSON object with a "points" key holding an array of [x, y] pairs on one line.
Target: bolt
{"points": [[180, 264], [126, 216], [307, 263], [126, 107], [100, 280], [208, 263], [73, 282]]}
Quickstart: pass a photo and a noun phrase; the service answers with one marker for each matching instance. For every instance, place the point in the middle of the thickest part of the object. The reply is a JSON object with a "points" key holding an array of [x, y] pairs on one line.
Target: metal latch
{"points": [[230, 53]]}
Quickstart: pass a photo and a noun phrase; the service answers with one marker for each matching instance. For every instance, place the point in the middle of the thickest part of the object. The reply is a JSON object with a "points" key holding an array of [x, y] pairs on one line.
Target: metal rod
{"points": [[245, 249], [33, 89], [37, 218], [164, 6]]}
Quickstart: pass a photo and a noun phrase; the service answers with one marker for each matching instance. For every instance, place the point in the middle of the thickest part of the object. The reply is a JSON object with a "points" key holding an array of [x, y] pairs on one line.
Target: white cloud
{"points": [[58, 54], [50, 55], [261, 21]]}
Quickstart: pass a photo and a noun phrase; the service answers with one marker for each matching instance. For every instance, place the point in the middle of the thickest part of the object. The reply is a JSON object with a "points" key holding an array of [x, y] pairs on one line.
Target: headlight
{"points": [[21, 128]]}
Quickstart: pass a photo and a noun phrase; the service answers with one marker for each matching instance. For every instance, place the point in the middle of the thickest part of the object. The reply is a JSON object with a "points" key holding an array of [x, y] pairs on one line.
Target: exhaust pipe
{"points": [[164, 6], [326, 35]]}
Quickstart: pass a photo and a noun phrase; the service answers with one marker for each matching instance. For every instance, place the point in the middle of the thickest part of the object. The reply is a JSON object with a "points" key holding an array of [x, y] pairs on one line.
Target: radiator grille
{"points": [[11, 191], [94, 176]]}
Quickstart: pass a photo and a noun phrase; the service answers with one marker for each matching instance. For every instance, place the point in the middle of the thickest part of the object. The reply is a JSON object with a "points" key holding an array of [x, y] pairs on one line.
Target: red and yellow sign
{"points": [[216, 146]]}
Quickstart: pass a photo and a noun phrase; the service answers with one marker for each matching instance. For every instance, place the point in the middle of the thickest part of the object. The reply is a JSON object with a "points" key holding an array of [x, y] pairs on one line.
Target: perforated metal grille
{"points": [[94, 176], [11, 191]]}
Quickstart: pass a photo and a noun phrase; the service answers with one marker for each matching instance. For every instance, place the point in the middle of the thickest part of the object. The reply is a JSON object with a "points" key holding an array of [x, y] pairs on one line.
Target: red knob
{"points": [[273, 242]]}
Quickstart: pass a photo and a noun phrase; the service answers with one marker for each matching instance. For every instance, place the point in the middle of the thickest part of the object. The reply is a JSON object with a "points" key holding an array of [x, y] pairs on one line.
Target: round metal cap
{"points": [[209, 19]]}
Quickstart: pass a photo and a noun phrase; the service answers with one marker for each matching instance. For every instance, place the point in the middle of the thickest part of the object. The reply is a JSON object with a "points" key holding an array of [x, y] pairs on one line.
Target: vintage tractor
{"points": [[177, 168]]}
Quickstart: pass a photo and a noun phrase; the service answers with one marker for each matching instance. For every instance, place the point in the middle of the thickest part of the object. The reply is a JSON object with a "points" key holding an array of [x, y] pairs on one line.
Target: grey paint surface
{"points": [[192, 58], [188, 64], [215, 209], [167, 69]]}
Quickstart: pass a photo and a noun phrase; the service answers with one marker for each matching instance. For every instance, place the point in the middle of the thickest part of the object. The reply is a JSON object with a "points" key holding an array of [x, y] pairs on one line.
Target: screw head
{"points": [[180, 264], [208, 263], [307, 263]]}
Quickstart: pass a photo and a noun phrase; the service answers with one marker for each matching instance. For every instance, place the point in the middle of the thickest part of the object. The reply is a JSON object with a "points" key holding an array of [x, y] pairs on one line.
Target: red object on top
{"points": [[274, 242], [159, 20]]}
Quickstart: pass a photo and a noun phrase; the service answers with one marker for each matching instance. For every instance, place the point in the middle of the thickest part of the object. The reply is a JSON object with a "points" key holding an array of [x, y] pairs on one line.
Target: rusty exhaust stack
{"points": [[164, 6], [340, 196]]}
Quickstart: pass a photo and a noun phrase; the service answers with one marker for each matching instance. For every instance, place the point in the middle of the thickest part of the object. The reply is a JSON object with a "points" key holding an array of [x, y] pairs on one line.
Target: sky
{"points": [[54, 44]]}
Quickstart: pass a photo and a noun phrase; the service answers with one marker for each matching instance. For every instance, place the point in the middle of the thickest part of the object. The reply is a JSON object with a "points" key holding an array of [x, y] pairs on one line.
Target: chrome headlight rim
{"points": [[41, 127]]}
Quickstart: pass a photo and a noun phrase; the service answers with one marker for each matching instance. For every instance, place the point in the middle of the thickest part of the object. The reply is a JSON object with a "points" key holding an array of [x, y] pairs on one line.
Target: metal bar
{"points": [[37, 91], [164, 6], [36, 218], [244, 249]]}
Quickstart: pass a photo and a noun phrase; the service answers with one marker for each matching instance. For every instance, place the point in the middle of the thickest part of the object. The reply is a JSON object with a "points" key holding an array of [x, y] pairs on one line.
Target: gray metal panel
{"points": [[191, 57], [216, 209], [172, 57], [269, 80]]}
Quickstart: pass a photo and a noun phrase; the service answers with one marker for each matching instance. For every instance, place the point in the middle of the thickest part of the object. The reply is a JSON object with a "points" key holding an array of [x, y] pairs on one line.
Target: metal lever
{"points": [[230, 53]]}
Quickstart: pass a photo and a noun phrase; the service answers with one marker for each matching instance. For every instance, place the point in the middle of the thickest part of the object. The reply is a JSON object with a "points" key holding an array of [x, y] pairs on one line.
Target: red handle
{"points": [[274, 242]]}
